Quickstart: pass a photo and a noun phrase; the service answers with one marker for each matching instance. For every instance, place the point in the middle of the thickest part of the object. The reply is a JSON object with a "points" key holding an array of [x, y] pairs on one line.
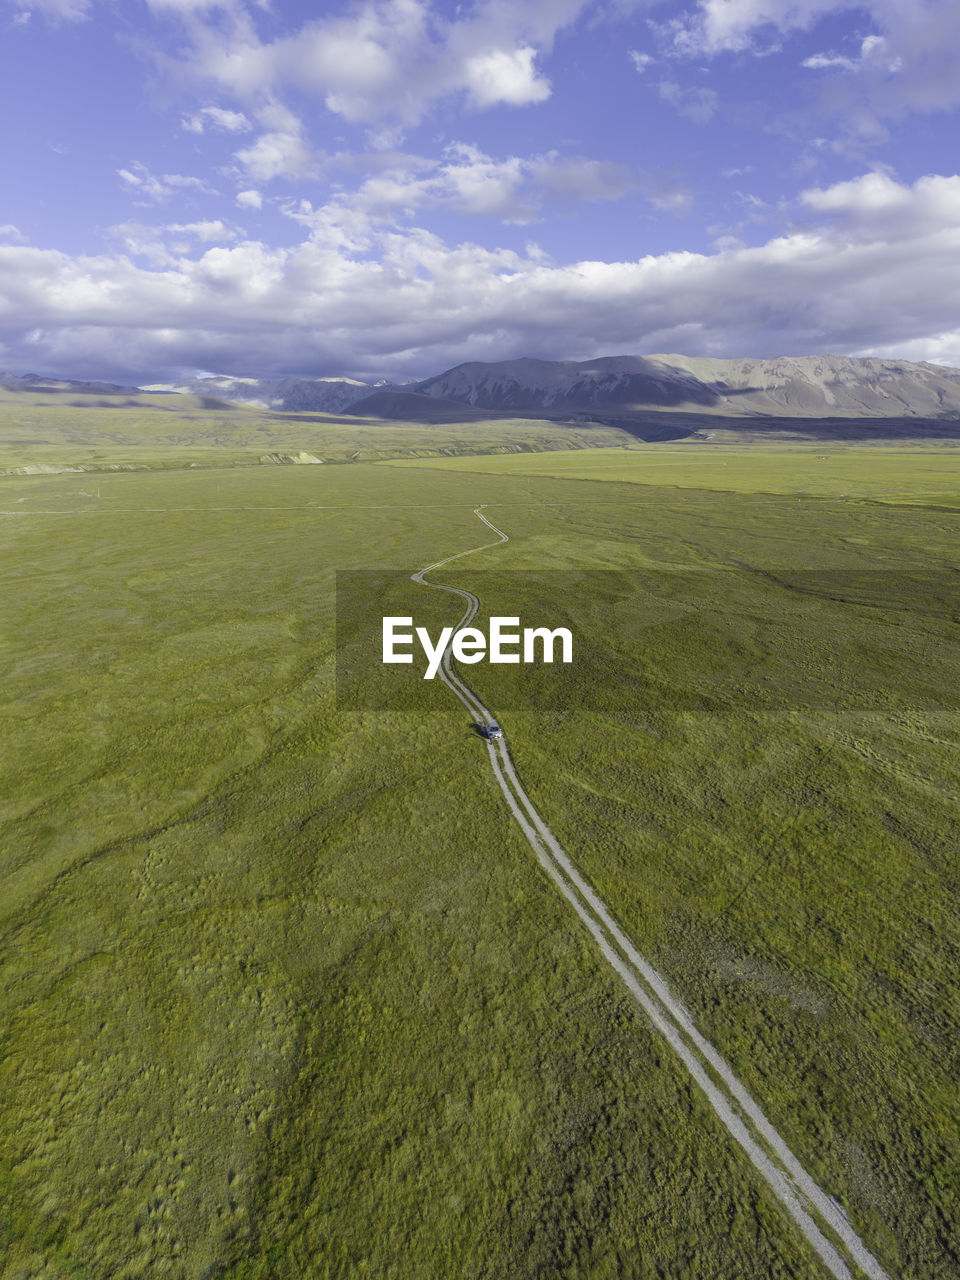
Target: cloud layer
{"points": [[300, 201], [876, 266]]}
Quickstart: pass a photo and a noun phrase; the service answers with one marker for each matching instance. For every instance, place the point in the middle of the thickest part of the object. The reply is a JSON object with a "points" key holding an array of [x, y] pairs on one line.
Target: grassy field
{"points": [[928, 474], [754, 758], [284, 992], [161, 432]]}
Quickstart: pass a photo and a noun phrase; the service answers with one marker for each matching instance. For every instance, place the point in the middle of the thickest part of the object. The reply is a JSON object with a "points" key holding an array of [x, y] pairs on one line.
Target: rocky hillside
{"points": [[527, 386], [35, 382], [801, 386]]}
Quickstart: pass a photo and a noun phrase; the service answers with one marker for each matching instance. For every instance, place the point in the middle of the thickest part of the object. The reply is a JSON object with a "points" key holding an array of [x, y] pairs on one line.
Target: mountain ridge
{"points": [[784, 386], [826, 386]]}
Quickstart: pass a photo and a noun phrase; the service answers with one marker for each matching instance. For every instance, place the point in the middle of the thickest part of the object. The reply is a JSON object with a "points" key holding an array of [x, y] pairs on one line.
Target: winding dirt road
{"points": [[819, 1217]]}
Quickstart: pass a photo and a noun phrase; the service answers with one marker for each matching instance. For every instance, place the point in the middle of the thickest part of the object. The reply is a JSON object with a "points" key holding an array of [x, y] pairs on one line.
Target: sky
{"points": [[384, 189]]}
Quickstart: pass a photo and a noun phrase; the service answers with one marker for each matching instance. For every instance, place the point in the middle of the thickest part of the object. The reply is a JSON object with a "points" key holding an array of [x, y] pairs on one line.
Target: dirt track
{"points": [[820, 1219]]}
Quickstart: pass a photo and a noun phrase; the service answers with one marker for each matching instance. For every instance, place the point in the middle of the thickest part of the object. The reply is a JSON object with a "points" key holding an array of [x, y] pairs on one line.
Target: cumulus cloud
{"points": [[667, 192], [943, 348], [383, 59], [505, 76], [279, 155], [206, 231], [577, 178], [641, 61], [9, 232], [217, 118], [468, 181], [154, 189], [513, 189], [249, 199], [909, 62], [876, 268], [697, 104], [164, 244], [876, 204], [722, 26], [474, 183], [194, 6], [281, 151], [874, 52]]}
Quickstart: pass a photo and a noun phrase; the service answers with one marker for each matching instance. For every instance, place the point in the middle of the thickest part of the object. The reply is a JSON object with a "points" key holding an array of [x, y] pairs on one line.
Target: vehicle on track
{"points": [[492, 732]]}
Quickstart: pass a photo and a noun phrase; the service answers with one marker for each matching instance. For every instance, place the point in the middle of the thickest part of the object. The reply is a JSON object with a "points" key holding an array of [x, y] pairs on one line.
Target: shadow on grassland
{"points": [[655, 426]]}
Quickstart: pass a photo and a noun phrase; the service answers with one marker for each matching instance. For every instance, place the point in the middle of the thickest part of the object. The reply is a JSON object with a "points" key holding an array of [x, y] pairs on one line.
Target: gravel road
{"points": [[819, 1217]]}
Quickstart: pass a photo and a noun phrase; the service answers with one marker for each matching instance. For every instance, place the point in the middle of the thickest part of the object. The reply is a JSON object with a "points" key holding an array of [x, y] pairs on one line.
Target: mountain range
{"points": [[802, 386], [622, 386], [291, 395]]}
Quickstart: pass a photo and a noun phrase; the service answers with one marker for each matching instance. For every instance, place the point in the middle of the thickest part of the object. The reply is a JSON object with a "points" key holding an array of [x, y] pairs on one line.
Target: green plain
{"points": [[284, 991], [162, 432], [900, 473]]}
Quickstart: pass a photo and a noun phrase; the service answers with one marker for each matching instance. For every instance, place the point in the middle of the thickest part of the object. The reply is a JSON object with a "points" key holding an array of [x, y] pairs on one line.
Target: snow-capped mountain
{"points": [[326, 395]]}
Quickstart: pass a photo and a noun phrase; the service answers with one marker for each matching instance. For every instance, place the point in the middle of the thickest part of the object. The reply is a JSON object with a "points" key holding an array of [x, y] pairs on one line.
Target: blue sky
{"points": [[386, 189]]}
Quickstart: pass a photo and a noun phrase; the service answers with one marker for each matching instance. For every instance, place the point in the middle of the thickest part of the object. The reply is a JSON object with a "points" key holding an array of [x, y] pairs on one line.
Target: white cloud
{"points": [[153, 189], [468, 181], [54, 10], [9, 232], [874, 53], [641, 61], [941, 348], [697, 104], [577, 178], [249, 199], [720, 26], [876, 204], [505, 76], [667, 192], [205, 231], [163, 245], [876, 269], [473, 183], [279, 155], [274, 115], [216, 118], [282, 151], [919, 40], [384, 59], [191, 7], [142, 241]]}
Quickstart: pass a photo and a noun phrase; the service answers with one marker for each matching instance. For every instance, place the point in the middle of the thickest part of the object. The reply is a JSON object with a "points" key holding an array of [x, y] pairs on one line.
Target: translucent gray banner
{"points": [[710, 640]]}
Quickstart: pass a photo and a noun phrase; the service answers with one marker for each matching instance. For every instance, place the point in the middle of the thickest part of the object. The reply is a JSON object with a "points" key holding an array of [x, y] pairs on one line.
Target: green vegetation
{"points": [[754, 759], [159, 432], [285, 993], [926, 474]]}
